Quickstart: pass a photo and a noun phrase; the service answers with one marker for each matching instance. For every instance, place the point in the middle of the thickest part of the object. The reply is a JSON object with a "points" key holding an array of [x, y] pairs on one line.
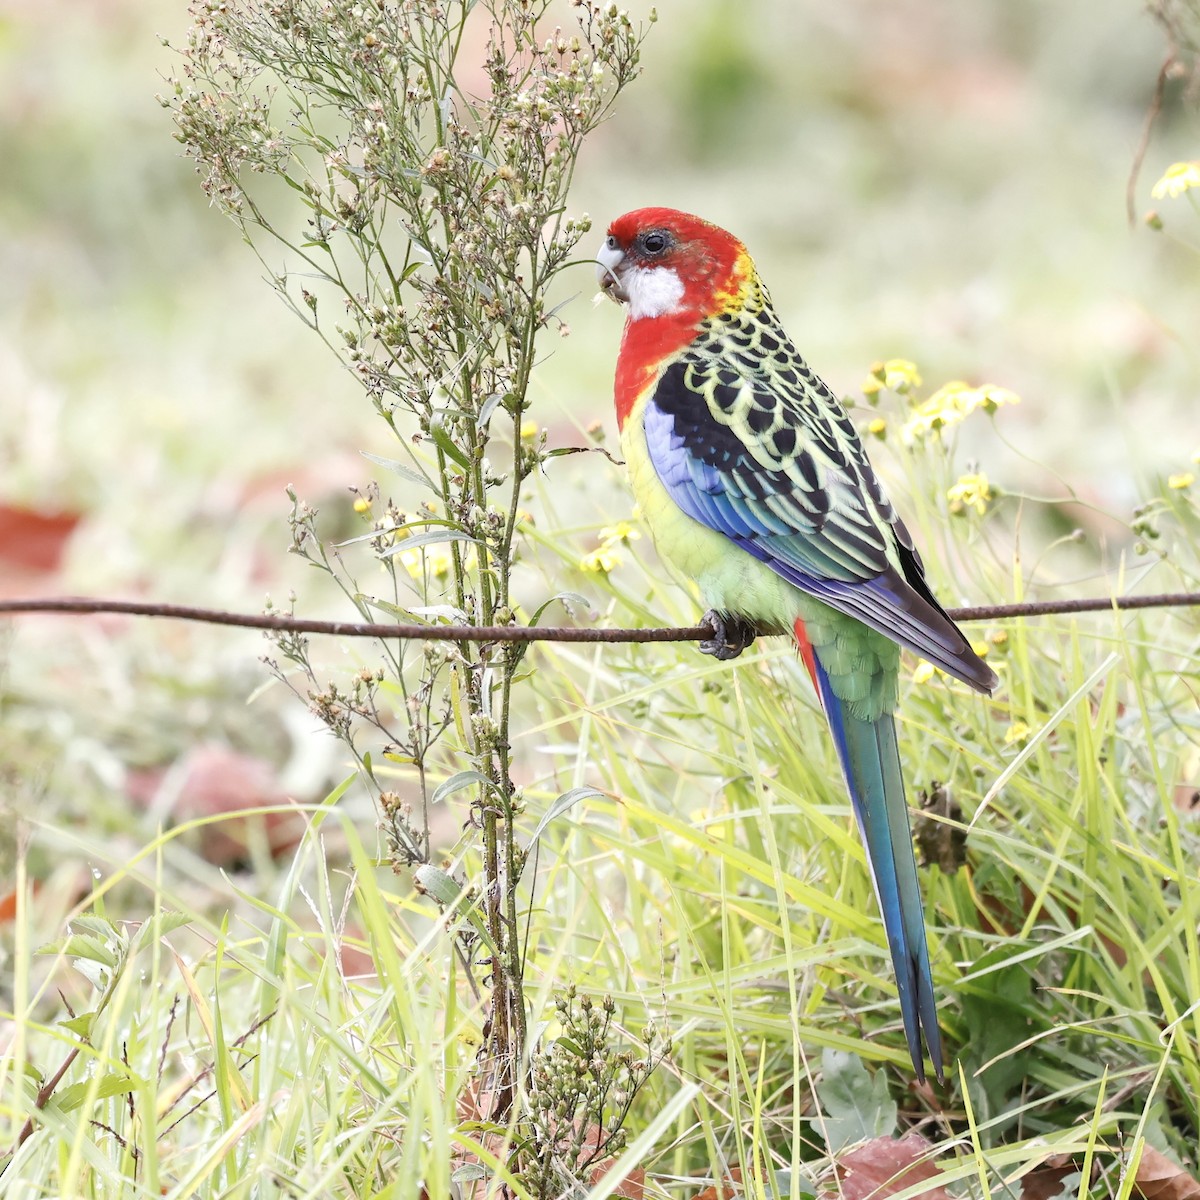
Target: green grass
{"points": [[309, 1030], [715, 886]]}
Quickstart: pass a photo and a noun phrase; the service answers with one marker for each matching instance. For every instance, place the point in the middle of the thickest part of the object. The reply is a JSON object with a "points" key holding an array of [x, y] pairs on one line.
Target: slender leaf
{"points": [[566, 801]]}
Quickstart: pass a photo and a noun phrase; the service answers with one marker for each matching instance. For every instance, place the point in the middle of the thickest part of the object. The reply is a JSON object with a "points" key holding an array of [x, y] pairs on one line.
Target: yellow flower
{"points": [[897, 375], [600, 561], [622, 531], [999, 637], [878, 427], [1018, 731], [923, 672], [362, 504], [971, 491], [951, 403], [433, 560], [1178, 483], [605, 557], [1177, 179], [981, 648], [529, 430]]}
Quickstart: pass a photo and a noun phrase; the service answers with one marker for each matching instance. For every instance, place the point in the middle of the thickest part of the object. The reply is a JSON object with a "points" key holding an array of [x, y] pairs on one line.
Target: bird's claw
{"points": [[731, 635]]}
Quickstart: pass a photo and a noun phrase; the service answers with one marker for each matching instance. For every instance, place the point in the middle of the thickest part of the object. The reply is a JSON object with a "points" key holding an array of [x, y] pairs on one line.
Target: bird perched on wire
{"points": [[754, 483]]}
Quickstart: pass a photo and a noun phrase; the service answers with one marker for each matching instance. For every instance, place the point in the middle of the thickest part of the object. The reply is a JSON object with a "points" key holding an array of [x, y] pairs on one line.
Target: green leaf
{"points": [[564, 802], [448, 893], [96, 926], [424, 614], [430, 523], [488, 407], [398, 468], [1001, 1012], [90, 949], [82, 1024], [808, 1189], [568, 599], [432, 538], [158, 926], [435, 883], [441, 612], [456, 783], [445, 443], [856, 1103], [110, 1085]]}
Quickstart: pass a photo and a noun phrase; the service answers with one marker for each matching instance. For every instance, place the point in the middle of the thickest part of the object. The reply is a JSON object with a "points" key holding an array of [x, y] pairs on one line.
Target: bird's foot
{"points": [[731, 635]]}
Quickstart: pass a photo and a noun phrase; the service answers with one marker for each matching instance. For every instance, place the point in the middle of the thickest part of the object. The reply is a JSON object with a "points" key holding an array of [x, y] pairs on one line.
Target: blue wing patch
{"points": [[816, 516]]}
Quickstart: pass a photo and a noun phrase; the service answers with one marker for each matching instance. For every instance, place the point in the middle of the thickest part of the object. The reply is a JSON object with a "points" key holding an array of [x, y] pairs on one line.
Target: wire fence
{"points": [[536, 633]]}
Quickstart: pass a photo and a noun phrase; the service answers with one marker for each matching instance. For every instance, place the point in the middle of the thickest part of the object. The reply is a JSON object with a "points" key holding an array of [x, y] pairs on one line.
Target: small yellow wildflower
{"points": [[1018, 731], [434, 561], [622, 531], [923, 673], [981, 648], [1177, 179], [605, 557], [1180, 482], [999, 637], [602, 560], [362, 504], [877, 427], [529, 430], [971, 491], [897, 375], [951, 403]]}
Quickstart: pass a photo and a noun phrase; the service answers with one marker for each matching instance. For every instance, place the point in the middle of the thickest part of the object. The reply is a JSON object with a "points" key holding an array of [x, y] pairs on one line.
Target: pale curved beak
{"points": [[608, 263]]}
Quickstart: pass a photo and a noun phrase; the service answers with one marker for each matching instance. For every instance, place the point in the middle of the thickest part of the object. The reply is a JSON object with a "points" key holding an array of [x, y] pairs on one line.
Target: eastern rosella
{"points": [[754, 483]]}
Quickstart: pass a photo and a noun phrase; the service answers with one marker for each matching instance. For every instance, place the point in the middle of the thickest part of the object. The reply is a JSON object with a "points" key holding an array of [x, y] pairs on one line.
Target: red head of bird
{"points": [[671, 270]]}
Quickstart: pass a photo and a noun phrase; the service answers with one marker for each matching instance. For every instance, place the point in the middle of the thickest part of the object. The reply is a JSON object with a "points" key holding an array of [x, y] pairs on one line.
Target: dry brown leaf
{"points": [[884, 1167], [996, 917], [62, 887], [1158, 1178], [33, 540], [213, 779], [1045, 1181], [632, 1187]]}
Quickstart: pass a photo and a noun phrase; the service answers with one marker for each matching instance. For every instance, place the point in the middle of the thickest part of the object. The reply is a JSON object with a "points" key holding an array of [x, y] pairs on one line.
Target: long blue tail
{"points": [[871, 763]]}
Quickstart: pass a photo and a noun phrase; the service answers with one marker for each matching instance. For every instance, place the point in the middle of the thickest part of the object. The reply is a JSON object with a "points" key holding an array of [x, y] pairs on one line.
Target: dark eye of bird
{"points": [[655, 243], [611, 241]]}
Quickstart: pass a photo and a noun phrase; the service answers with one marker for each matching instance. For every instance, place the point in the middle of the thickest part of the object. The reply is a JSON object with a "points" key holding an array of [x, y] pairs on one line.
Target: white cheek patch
{"points": [[652, 291]]}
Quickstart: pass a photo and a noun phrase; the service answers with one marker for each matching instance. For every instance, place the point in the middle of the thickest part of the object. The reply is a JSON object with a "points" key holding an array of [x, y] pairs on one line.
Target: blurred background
{"points": [[942, 183]]}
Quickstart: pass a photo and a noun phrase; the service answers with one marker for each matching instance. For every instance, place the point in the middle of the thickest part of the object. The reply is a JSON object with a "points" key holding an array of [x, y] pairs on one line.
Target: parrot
{"points": [[754, 483]]}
